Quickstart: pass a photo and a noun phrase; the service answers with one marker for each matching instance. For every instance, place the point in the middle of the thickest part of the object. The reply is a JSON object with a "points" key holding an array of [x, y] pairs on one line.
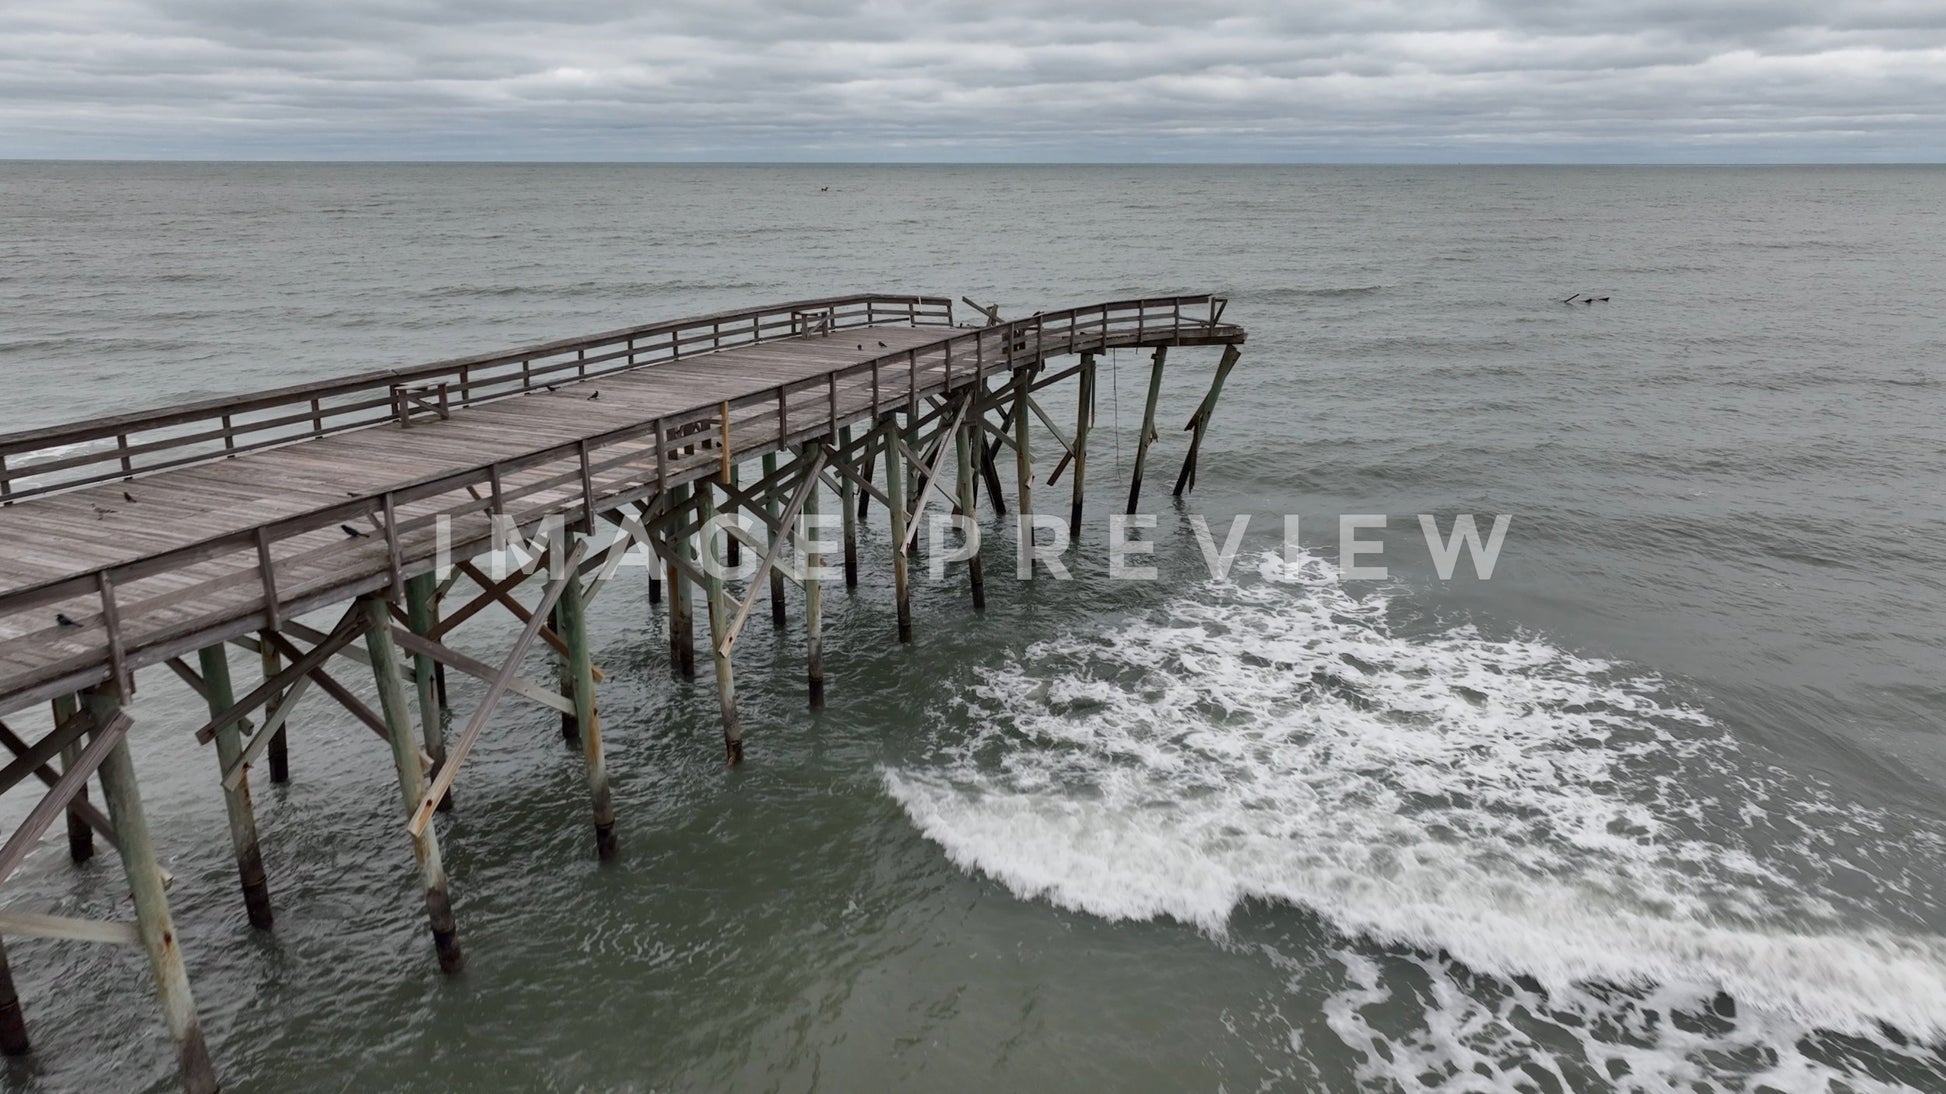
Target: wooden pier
{"points": [[133, 542]]}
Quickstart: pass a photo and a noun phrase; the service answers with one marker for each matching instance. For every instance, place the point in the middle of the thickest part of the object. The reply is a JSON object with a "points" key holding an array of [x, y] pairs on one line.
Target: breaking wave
{"points": [[1560, 824]]}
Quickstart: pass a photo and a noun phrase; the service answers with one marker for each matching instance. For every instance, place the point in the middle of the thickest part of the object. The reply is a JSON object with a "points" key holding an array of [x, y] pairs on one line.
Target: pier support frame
{"points": [[572, 611], [1083, 418], [397, 711], [813, 588], [420, 609], [1199, 421], [278, 755], [1023, 474], [1148, 427], [967, 440], [153, 923], [682, 615], [215, 664], [81, 836], [848, 509], [719, 628], [895, 507]]}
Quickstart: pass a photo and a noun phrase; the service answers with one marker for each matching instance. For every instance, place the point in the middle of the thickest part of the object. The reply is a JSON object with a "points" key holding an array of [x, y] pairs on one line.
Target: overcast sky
{"points": [[1135, 80]]}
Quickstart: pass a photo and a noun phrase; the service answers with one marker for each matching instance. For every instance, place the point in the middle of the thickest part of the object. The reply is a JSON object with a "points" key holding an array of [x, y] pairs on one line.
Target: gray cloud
{"points": [[805, 79]]}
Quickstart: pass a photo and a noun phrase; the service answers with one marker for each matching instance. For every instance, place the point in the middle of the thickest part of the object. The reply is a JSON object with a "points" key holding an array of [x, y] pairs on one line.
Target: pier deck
{"points": [[133, 540]]}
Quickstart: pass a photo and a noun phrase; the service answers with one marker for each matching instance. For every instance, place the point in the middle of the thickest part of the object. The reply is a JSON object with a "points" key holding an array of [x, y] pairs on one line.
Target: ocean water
{"points": [[1656, 807]]}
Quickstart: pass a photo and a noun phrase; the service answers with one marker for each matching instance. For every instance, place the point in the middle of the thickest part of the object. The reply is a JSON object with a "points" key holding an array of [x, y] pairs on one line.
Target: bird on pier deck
{"points": [[126, 496], [595, 396], [64, 621], [881, 345], [352, 532]]}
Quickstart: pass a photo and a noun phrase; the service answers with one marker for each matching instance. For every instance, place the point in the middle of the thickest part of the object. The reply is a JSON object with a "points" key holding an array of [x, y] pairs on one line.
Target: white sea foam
{"points": [[1499, 806]]}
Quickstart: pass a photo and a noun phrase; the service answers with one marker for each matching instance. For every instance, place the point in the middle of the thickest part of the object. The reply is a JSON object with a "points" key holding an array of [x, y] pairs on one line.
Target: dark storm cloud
{"points": [[1495, 79]]}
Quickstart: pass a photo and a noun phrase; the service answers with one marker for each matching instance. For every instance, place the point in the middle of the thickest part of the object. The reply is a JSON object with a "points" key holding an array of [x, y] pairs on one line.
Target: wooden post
{"points": [[570, 723], [813, 592], [682, 621], [419, 608], [1083, 418], [278, 751], [1186, 479], [1148, 427], [153, 924], [1023, 471], [849, 511], [719, 629], [965, 440], [13, 1023], [574, 616], [81, 835], [771, 509], [733, 552], [901, 565], [412, 776], [215, 663]]}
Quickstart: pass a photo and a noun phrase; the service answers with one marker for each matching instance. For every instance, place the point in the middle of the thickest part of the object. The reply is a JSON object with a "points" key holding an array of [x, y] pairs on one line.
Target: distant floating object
{"points": [[1586, 299], [1572, 299], [824, 189]]}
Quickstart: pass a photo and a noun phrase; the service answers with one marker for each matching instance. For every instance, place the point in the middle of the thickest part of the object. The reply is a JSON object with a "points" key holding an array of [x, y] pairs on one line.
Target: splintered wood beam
{"points": [[468, 737], [1199, 422], [55, 802]]}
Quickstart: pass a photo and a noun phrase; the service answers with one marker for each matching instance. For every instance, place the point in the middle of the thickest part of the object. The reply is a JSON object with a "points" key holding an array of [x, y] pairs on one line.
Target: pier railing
{"points": [[647, 456], [44, 461]]}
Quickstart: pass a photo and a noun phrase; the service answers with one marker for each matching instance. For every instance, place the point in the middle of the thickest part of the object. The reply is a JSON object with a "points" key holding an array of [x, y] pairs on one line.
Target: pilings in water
{"points": [[215, 664], [813, 590], [967, 440], [1083, 418], [1148, 427], [13, 1024], [719, 629], [420, 607], [682, 617], [81, 837], [397, 712], [1023, 474], [279, 755], [896, 512], [572, 611], [154, 926]]}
